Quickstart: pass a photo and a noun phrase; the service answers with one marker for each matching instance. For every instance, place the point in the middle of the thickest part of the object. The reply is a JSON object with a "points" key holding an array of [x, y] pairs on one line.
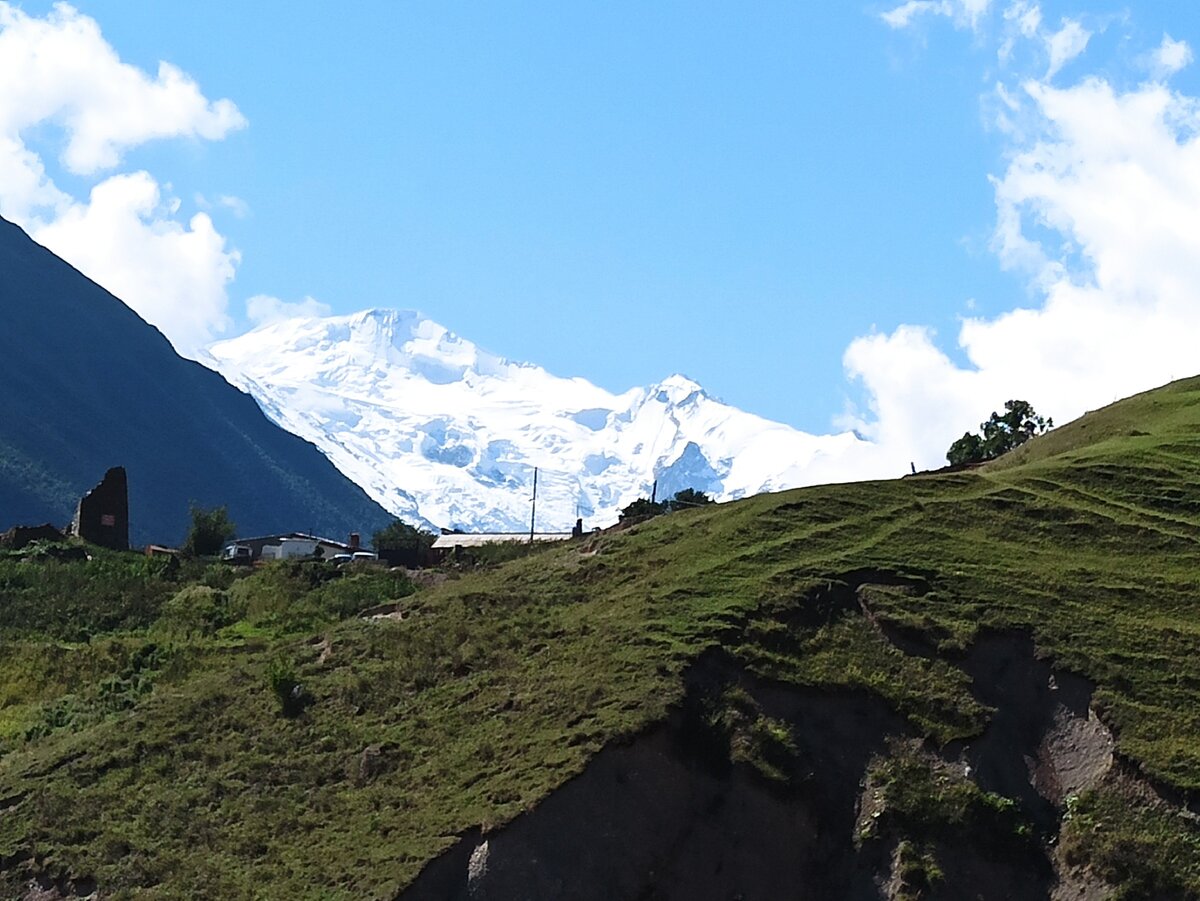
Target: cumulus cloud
{"points": [[262, 309], [1170, 57], [126, 239], [1099, 206], [58, 71]]}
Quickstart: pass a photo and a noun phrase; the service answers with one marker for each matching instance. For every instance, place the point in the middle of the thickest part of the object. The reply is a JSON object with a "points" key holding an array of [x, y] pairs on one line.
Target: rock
{"points": [[370, 764], [477, 871]]}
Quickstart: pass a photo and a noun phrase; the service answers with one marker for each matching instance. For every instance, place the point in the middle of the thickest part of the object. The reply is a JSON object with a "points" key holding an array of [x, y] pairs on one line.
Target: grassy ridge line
{"points": [[1150, 420], [497, 687]]}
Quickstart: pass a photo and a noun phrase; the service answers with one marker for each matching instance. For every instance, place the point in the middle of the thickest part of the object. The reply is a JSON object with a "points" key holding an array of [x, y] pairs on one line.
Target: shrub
{"points": [[642, 508], [286, 687], [196, 611], [211, 528], [400, 536], [687, 498]]}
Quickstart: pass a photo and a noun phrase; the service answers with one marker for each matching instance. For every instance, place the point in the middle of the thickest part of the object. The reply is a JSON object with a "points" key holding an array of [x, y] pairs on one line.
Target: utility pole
{"points": [[654, 492], [533, 510]]}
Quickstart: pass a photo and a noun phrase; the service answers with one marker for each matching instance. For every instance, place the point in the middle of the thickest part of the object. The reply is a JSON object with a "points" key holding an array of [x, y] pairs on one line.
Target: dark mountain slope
{"points": [[87, 384]]}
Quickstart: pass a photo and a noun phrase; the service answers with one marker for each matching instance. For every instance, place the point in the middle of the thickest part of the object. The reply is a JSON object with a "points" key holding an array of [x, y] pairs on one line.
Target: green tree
{"points": [[211, 528], [688, 497], [967, 449], [1000, 434], [642, 508], [400, 536]]}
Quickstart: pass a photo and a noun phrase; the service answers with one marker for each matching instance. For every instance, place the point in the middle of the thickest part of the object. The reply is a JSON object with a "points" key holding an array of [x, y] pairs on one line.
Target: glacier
{"points": [[444, 434]]}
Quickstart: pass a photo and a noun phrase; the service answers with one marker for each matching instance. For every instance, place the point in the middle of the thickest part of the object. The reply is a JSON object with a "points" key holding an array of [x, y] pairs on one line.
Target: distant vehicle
{"points": [[291, 549], [341, 559], [364, 555], [237, 553]]}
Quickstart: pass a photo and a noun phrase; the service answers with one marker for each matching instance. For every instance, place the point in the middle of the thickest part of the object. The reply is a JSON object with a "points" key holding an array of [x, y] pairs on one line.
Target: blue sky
{"points": [[621, 191]]}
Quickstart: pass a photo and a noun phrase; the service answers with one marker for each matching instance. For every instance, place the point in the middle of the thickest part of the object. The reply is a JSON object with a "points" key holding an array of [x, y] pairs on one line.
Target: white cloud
{"points": [[1170, 57], [1026, 16], [1023, 19], [902, 16], [1099, 204], [124, 239], [236, 205], [60, 68], [1065, 44], [262, 309], [59, 71], [965, 13]]}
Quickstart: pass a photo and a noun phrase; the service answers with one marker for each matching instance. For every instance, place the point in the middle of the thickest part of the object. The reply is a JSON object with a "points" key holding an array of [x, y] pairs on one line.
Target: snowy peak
{"points": [[441, 432], [420, 345], [377, 343], [677, 391]]}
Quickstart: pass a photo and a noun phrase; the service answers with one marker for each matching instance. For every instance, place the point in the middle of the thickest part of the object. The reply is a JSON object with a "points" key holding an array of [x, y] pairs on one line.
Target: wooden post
{"points": [[533, 510]]}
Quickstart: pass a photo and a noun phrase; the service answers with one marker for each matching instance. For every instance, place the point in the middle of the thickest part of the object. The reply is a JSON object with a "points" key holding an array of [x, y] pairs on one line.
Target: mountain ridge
{"points": [[90, 385], [442, 432]]}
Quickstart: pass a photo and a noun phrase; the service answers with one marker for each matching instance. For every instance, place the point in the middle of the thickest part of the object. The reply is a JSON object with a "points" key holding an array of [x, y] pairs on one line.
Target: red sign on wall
{"points": [[108, 519]]}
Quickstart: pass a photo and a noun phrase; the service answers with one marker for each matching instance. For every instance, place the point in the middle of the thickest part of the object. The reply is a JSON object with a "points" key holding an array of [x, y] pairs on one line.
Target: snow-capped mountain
{"points": [[441, 432]]}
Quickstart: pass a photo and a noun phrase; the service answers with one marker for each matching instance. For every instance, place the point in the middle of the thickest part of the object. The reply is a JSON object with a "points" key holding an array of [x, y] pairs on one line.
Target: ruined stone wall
{"points": [[102, 516], [19, 537]]}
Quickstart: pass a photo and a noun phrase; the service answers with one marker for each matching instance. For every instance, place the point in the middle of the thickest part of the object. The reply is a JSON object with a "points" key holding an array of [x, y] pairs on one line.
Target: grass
{"points": [[1137, 844], [492, 689]]}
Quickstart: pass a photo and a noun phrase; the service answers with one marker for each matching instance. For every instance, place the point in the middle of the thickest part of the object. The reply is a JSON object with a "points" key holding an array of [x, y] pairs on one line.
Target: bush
{"points": [[77, 600], [400, 536], [290, 597], [197, 611], [289, 693], [689, 497], [642, 508]]}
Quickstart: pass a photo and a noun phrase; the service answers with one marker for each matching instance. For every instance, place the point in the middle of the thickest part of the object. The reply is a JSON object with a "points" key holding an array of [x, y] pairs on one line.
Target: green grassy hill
{"points": [[187, 732]]}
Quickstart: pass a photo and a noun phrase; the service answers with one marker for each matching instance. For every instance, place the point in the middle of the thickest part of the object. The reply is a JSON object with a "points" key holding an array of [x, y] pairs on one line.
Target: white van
{"points": [[237, 553]]}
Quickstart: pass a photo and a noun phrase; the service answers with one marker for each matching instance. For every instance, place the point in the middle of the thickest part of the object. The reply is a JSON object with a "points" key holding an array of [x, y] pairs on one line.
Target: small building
{"points": [[294, 546]]}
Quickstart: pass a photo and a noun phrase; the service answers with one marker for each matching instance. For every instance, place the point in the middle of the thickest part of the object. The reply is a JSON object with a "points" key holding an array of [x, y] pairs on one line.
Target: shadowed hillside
{"points": [[89, 385], [979, 684]]}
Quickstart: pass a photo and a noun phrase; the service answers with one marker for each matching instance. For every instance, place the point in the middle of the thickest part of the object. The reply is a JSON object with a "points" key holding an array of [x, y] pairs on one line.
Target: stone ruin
{"points": [[102, 516], [19, 537]]}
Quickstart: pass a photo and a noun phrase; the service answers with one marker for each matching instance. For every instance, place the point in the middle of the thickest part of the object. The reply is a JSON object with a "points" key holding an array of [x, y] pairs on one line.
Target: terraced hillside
{"points": [[982, 684]]}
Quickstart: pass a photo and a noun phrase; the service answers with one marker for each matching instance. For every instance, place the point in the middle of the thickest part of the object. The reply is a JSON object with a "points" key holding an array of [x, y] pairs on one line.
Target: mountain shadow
{"points": [[87, 384]]}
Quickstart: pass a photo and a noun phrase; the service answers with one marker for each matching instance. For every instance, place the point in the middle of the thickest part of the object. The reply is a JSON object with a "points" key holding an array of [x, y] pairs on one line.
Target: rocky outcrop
{"points": [[663, 817], [674, 814]]}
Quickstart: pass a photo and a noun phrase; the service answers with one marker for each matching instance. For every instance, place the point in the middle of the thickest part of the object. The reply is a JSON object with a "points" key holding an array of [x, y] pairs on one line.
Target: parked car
{"points": [[238, 554]]}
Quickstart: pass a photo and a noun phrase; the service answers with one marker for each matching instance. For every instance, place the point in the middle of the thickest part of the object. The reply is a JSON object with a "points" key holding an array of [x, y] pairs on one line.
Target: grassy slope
{"points": [[497, 687]]}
